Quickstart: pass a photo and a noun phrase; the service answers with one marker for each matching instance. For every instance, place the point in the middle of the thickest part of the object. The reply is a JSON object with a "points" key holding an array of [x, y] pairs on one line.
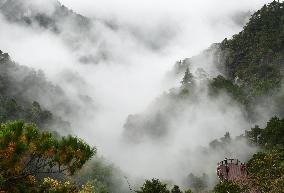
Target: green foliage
{"points": [[156, 186], [187, 78], [251, 62], [271, 135], [176, 189], [100, 187], [88, 188], [187, 85], [254, 134], [50, 185], [20, 87], [255, 54], [153, 186], [10, 109], [266, 170], [227, 186], [221, 84], [26, 153]]}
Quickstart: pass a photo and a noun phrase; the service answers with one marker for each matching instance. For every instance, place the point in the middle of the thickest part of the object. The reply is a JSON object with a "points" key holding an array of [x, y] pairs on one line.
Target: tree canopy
{"points": [[187, 78], [266, 170], [227, 186], [156, 186], [26, 154], [270, 136]]}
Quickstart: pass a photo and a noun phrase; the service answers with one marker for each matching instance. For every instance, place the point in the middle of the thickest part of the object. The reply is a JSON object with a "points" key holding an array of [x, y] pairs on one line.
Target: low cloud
{"points": [[119, 63]]}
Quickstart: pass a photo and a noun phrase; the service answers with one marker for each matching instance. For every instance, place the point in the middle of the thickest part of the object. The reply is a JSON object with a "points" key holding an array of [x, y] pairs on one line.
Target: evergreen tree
{"points": [[187, 78], [227, 186], [266, 170], [153, 186], [176, 189], [27, 154]]}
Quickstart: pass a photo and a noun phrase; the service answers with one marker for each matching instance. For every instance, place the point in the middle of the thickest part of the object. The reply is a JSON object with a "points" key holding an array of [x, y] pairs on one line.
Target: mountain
{"points": [[28, 12], [249, 68], [245, 74], [20, 88], [76, 31], [255, 56]]}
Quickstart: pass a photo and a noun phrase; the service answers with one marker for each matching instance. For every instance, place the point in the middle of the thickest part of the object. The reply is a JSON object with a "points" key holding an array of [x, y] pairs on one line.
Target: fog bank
{"points": [[120, 61]]}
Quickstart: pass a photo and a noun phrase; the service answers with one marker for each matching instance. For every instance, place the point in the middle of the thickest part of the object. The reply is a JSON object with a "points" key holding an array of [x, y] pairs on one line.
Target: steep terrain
{"points": [[244, 76], [253, 60], [241, 86], [248, 68], [20, 88]]}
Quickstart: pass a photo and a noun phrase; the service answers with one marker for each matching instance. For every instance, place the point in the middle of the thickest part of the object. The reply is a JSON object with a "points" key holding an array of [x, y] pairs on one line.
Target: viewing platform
{"points": [[233, 169]]}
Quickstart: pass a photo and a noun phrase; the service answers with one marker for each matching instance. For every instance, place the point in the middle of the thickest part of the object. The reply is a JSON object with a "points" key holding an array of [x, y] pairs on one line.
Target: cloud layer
{"points": [[120, 62]]}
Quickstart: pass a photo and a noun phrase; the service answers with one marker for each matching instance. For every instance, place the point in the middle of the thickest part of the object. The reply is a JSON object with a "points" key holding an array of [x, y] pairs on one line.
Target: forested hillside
{"points": [[244, 87], [27, 95], [21, 87], [251, 63], [250, 67]]}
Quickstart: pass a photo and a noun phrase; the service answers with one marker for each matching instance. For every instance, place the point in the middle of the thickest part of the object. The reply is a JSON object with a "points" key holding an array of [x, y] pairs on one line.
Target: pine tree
{"points": [[187, 78], [176, 189], [26, 153]]}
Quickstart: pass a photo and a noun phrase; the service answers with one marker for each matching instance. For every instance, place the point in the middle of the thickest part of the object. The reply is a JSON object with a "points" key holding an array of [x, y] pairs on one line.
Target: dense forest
{"points": [[17, 84], [251, 63], [35, 156]]}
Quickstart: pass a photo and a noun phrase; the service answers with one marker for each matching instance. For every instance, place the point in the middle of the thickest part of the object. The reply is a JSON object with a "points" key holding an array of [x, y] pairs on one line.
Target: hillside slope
{"points": [[251, 63], [52, 17], [20, 88], [249, 68]]}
